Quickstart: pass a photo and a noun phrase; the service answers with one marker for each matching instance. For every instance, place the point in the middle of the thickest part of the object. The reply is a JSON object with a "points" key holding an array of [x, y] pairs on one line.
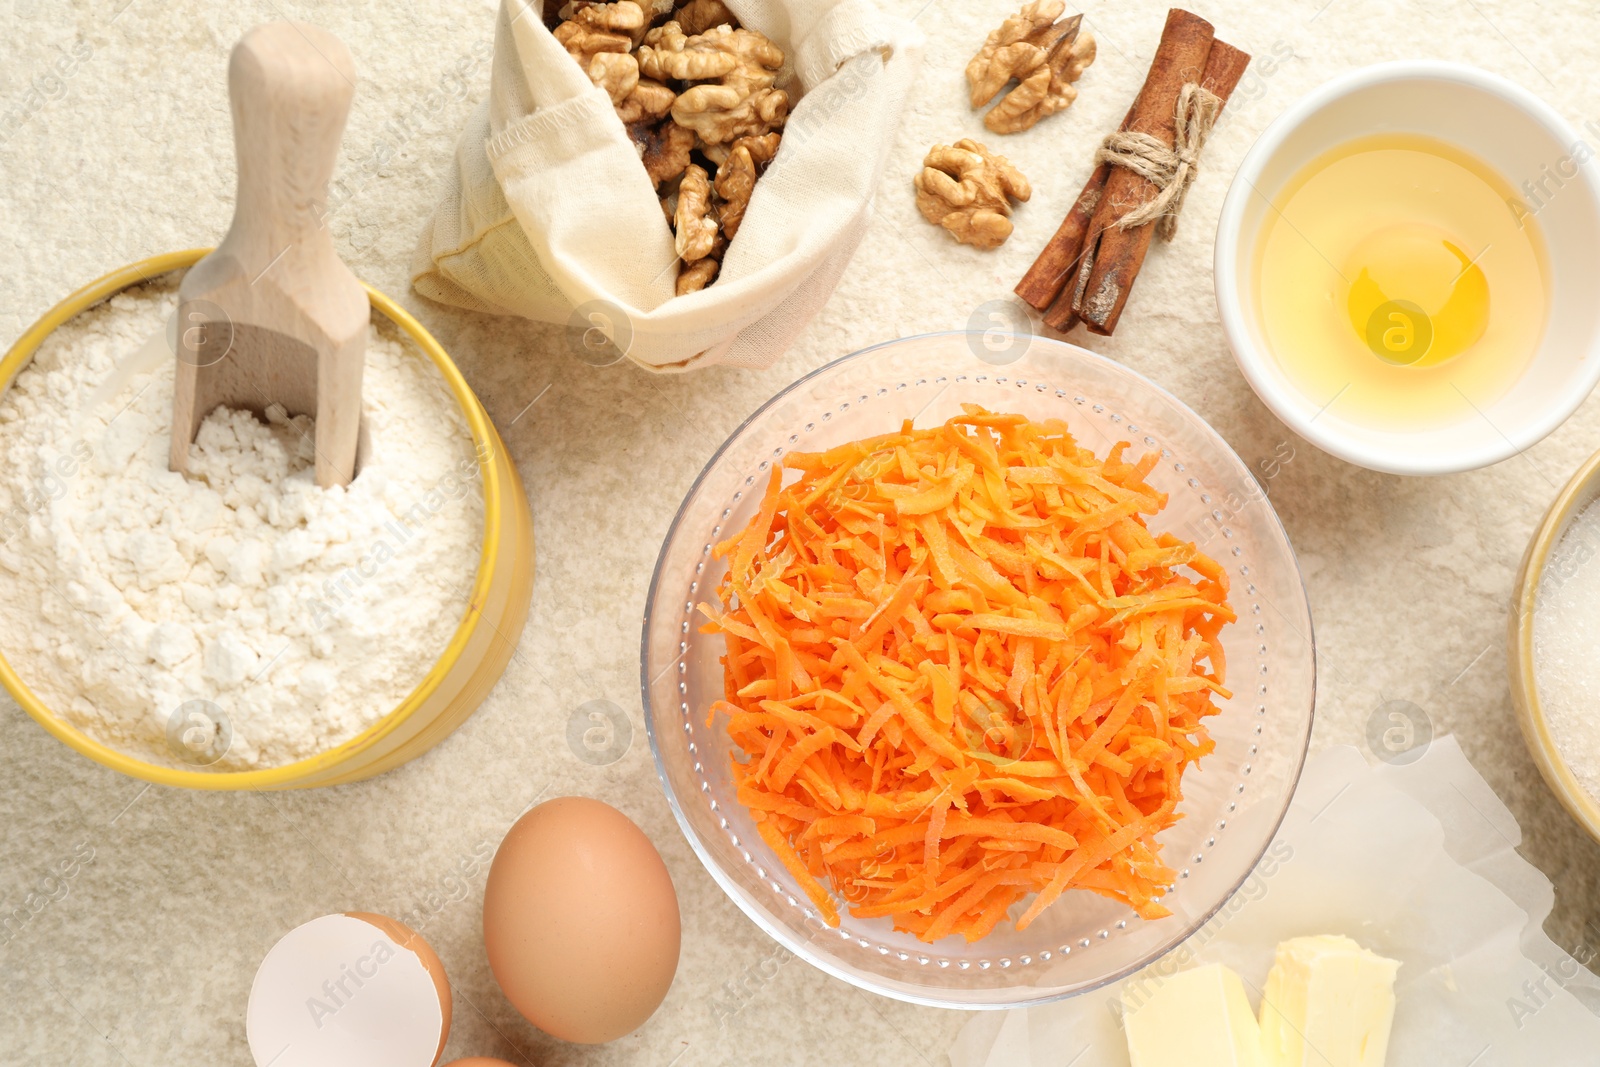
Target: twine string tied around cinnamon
{"points": [[1170, 169]]}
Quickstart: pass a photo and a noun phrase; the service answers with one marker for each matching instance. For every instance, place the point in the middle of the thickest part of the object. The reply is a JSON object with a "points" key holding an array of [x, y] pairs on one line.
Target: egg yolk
{"points": [[1416, 298]]}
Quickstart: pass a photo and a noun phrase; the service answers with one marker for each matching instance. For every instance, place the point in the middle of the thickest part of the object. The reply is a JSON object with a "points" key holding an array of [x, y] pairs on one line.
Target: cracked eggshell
{"points": [[349, 990], [580, 921]]}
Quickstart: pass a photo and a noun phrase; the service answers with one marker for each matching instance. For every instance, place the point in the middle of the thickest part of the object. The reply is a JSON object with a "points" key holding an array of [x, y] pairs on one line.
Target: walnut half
{"points": [[669, 53], [737, 174], [740, 101], [1042, 55], [649, 101], [1014, 50], [697, 275], [696, 219], [663, 147], [968, 190], [698, 16], [1047, 90], [601, 28]]}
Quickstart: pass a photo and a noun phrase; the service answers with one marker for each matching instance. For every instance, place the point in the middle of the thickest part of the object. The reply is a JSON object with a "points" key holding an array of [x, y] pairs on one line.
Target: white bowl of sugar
{"points": [[1553, 632]]}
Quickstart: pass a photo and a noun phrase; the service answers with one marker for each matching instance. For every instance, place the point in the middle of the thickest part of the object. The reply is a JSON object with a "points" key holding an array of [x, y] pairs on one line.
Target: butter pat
{"points": [[1328, 1002], [1196, 1018]]}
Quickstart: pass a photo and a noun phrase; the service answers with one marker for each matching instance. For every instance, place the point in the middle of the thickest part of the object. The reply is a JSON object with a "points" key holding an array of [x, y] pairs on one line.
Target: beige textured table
{"points": [[115, 143]]}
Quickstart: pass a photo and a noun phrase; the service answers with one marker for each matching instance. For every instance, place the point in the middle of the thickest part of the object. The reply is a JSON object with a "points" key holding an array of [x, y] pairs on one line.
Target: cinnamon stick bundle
{"points": [[1087, 270], [1059, 260]]}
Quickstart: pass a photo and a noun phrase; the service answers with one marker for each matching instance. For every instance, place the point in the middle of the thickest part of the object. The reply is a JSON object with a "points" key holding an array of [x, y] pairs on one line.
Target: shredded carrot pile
{"points": [[960, 669]]}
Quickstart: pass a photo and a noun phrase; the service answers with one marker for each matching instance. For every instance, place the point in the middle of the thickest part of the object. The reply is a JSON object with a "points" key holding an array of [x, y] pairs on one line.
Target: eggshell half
{"points": [[580, 921], [356, 990]]}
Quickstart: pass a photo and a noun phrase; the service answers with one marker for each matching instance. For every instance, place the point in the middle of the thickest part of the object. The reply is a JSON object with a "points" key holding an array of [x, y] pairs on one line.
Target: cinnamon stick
{"points": [[1225, 66], [1059, 276], [1062, 314], [1059, 259], [1053, 281], [1118, 254]]}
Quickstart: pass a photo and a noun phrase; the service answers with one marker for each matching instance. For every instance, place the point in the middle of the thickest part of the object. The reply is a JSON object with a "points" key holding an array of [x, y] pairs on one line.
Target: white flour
{"points": [[302, 615]]}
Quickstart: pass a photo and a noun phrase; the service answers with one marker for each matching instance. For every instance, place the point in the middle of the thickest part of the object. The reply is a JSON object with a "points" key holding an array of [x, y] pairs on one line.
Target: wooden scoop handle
{"points": [[290, 86], [273, 316]]}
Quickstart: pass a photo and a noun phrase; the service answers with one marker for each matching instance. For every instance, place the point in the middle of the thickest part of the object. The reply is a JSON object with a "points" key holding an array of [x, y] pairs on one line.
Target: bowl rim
{"points": [[285, 775], [1231, 289], [1581, 490], [782, 934]]}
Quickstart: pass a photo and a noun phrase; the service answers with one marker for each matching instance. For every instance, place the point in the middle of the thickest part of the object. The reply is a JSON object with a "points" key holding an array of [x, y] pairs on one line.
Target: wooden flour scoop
{"points": [[273, 316]]}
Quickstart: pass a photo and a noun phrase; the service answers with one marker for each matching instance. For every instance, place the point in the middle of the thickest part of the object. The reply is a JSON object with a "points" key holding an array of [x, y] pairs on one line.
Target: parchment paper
{"points": [[1418, 863]]}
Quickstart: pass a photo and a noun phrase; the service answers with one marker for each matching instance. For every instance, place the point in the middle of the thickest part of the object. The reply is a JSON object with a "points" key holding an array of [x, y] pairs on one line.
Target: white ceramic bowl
{"points": [[1512, 131]]}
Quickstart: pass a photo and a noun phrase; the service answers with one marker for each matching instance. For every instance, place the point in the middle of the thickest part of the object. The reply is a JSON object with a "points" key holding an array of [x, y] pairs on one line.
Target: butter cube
{"points": [[1195, 1018], [1328, 1002]]}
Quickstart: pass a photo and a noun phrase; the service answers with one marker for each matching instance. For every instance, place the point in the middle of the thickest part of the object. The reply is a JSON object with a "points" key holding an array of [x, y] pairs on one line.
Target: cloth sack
{"points": [[549, 214]]}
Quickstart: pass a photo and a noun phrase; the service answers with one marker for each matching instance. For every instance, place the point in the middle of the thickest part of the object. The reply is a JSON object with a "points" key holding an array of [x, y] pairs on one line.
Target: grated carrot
{"points": [[961, 670]]}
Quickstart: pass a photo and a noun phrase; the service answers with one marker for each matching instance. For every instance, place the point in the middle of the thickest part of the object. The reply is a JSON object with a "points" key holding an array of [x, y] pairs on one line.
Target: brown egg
{"points": [[479, 1061], [580, 921]]}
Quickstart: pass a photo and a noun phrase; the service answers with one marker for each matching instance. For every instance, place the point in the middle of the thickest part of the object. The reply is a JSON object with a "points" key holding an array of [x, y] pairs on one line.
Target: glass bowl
{"points": [[1233, 801]]}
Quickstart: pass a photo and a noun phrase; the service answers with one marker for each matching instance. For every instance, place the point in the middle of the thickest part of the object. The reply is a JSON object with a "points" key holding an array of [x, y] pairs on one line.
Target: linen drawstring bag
{"points": [[548, 212]]}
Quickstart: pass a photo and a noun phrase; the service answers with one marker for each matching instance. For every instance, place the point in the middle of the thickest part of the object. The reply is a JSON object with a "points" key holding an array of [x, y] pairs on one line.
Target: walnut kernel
{"points": [[968, 190], [696, 220]]}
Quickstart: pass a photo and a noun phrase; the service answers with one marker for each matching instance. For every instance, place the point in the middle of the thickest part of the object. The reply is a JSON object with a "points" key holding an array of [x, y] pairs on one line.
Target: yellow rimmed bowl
{"points": [[468, 667], [1581, 490]]}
